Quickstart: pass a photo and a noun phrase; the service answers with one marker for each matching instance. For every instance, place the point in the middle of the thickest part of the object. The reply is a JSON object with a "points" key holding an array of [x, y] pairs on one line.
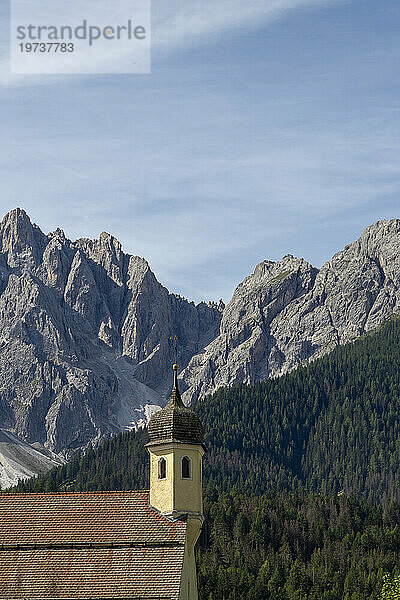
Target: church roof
{"points": [[94, 546], [175, 422]]}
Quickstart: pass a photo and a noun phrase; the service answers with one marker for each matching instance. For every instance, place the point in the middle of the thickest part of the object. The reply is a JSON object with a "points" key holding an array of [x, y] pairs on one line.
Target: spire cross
{"points": [[175, 392], [175, 339]]}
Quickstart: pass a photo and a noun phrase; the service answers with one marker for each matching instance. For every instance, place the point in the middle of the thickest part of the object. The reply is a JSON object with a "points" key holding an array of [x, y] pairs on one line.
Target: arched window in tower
{"points": [[162, 468], [186, 467]]}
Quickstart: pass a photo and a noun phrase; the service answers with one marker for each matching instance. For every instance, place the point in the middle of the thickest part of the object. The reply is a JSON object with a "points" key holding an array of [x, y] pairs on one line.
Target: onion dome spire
{"points": [[175, 422]]}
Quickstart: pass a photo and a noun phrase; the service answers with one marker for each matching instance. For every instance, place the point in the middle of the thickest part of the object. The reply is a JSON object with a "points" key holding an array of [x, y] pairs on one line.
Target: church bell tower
{"points": [[176, 449]]}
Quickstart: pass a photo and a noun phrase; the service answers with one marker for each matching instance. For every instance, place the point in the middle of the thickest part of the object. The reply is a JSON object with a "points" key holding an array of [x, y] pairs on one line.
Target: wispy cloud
{"points": [[180, 24], [284, 144], [186, 22]]}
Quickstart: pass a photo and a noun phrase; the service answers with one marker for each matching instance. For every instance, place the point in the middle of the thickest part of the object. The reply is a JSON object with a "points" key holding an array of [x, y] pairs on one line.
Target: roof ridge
{"points": [[43, 494]]}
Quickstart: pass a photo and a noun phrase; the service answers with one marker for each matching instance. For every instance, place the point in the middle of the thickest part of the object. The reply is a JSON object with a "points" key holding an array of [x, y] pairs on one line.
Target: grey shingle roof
{"points": [[175, 422], [70, 546]]}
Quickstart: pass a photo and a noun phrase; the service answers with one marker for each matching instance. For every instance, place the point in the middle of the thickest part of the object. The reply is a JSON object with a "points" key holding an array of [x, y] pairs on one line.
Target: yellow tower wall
{"points": [[174, 494], [188, 589], [161, 490]]}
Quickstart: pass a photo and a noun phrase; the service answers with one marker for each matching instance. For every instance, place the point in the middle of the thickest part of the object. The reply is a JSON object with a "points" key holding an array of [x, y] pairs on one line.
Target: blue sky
{"points": [[265, 128]]}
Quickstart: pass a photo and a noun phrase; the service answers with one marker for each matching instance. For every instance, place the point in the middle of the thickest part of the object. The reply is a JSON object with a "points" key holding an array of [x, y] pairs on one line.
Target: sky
{"points": [[266, 127]]}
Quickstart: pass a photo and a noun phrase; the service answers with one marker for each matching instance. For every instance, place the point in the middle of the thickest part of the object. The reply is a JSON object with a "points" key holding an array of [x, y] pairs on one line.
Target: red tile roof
{"points": [[91, 574], [88, 546]]}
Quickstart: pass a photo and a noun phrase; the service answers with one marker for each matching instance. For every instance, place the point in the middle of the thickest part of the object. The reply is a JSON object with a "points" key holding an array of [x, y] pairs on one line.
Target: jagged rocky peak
{"points": [[377, 241], [380, 229], [138, 268], [273, 273], [287, 263], [266, 292], [360, 284], [110, 244], [85, 336], [107, 253], [81, 291], [56, 261], [58, 234], [21, 240], [244, 350], [288, 312]]}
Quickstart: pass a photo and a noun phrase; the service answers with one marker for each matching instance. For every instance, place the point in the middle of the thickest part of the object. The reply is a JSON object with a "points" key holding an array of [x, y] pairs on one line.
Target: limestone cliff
{"points": [[85, 328], [84, 336], [289, 312]]}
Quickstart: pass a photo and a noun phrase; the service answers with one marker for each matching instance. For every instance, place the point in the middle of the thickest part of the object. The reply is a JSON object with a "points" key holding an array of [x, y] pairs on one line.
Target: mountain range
{"points": [[330, 427], [85, 330]]}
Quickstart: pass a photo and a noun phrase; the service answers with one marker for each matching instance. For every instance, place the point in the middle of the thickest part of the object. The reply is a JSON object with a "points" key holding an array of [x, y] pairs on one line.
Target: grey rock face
{"points": [[19, 460], [84, 336], [289, 312], [85, 329]]}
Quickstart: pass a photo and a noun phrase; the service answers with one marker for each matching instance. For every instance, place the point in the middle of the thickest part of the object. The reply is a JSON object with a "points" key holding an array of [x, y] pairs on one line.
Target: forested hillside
{"points": [[329, 427], [121, 463], [296, 546], [332, 427]]}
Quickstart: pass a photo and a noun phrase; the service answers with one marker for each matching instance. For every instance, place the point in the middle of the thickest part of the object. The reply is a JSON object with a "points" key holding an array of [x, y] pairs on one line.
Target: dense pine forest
{"points": [[285, 459], [330, 427], [121, 463], [296, 546]]}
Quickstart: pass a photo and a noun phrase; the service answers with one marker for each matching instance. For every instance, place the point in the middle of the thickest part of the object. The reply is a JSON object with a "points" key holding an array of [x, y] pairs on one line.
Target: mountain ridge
{"points": [[330, 427], [85, 348], [289, 312], [82, 326]]}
